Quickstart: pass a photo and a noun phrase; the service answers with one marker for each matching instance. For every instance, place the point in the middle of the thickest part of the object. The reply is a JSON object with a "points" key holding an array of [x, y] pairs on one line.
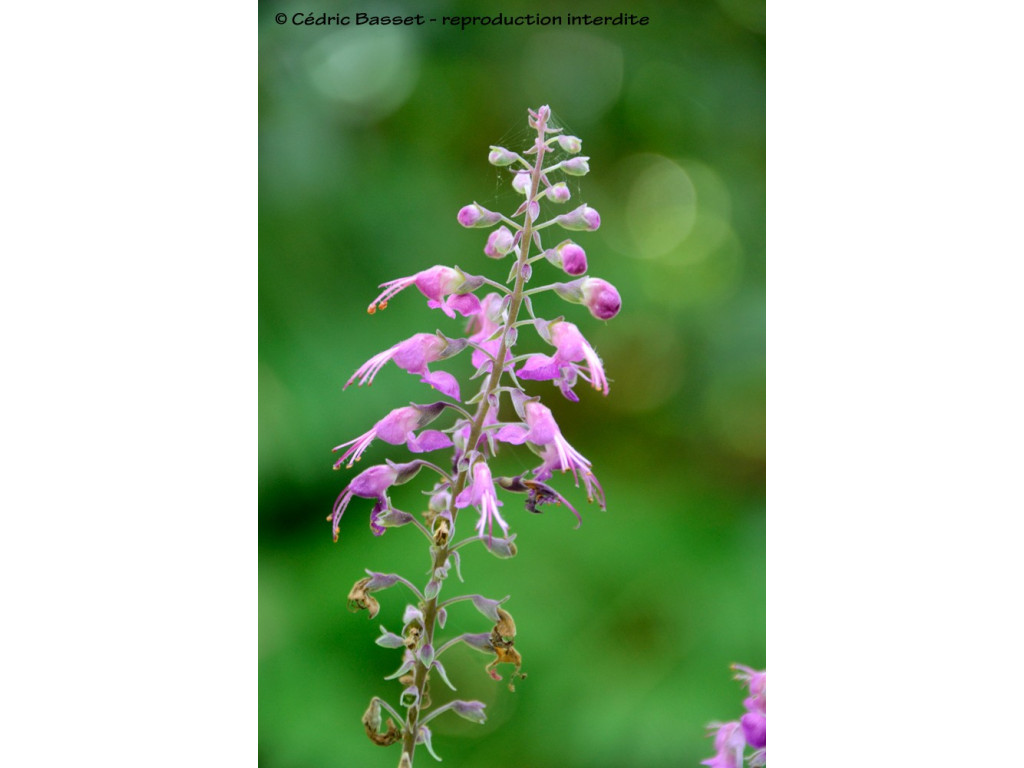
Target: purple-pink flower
{"points": [[555, 451], [372, 483], [483, 326], [757, 683], [480, 494], [729, 746], [398, 427], [733, 738], [754, 729], [562, 367], [413, 355], [438, 284]]}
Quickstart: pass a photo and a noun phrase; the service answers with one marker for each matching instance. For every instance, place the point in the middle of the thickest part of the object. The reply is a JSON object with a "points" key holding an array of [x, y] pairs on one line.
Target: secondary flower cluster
{"points": [[733, 738], [500, 412]]}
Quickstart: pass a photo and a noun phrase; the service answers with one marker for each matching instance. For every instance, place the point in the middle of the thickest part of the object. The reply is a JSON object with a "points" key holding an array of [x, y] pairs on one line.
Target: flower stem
{"points": [[440, 553]]}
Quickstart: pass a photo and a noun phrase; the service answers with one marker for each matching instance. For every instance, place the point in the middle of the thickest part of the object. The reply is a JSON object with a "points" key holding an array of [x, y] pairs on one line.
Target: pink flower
{"points": [[754, 729], [571, 348], [757, 684], [480, 494], [482, 326], [399, 427], [542, 431], [729, 746], [732, 738], [438, 284], [413, 355], [373, 483]]}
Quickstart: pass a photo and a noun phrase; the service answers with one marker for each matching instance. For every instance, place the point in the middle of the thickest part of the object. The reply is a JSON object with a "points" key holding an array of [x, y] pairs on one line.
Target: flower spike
{"points": [[495, 320]]}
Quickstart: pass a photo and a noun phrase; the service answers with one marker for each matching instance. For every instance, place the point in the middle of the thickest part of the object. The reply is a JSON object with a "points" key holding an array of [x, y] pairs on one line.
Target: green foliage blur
{"points": [[371, 139]]}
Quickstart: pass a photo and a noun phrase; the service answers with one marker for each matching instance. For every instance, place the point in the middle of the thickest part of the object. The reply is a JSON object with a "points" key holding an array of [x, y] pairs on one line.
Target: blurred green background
{"points": [[371, 139]]}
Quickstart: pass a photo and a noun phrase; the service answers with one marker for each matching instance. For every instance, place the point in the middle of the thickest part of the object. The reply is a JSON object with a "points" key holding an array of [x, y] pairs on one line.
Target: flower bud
{"points": [[578, 166], [380, 581], [440, 501], [753, 724], [601, 298], [503, 549], [522, 182], [426, 654], [558, 193], [570, 144], [487, 607], [389, 640], [393, 518], [432, 589], [480, 641], [477, 216], [499, 242], [471, 710], [500, 156], [582, 218], [569, 257]]}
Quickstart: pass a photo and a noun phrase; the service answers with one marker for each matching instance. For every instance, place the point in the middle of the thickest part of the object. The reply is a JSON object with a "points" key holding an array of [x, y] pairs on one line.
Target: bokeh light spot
{"points": [[373, 73], [662, 208]]}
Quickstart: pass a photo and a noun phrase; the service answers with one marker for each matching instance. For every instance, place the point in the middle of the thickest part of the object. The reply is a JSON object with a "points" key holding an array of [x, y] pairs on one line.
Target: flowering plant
{"points": [[733, 738], [479, 426]]}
